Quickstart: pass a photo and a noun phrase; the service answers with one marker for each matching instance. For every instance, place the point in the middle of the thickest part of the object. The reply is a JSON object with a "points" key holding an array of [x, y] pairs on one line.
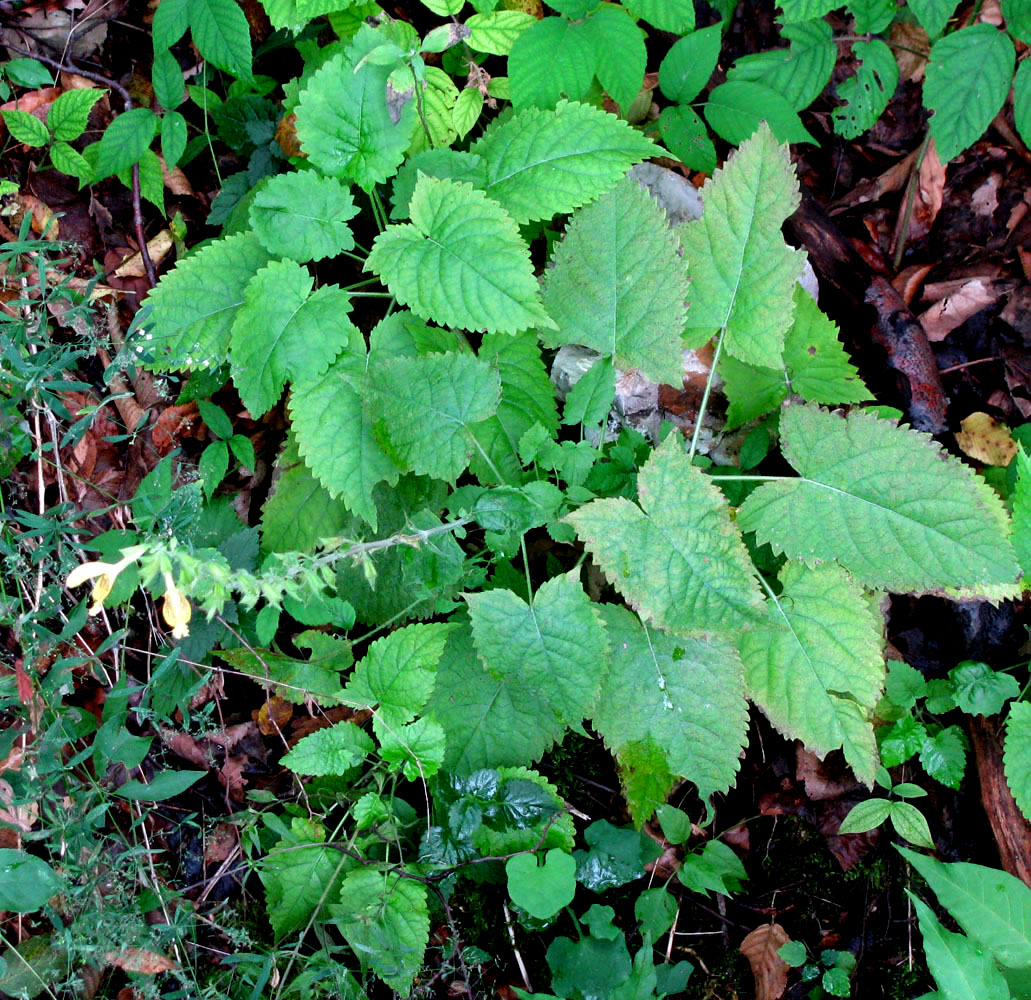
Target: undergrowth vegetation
{"points": [[456, 566]]}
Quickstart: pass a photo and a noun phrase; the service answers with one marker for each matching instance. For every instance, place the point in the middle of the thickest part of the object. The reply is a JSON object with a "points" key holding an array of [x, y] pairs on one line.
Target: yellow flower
{"points": [[175, 609], [104, 573]]}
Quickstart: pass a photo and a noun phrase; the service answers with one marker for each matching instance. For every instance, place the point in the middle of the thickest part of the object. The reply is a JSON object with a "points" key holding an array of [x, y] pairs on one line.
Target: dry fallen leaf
{"points": [[769, 969], [985, 440], [955, 309], [139, 960]]}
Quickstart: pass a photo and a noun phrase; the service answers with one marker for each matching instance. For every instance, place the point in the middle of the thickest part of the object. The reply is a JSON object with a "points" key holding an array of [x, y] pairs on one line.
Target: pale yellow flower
{"points": [[175, 609], [104, 573]]}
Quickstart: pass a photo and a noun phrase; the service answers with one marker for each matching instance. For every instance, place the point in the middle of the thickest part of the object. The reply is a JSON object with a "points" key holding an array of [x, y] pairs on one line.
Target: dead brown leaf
{"points": [[985, 440], [954, 309], [158, 247], [139, 960], [769, 969], [912, 41], [274, 715], [820, 779], [220, 843]]}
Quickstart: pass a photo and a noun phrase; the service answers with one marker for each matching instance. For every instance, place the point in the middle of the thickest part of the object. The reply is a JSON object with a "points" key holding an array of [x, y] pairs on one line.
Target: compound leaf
{"points": [[685, 696], [798, 74], [968, 78], [496, 31], [1017, 755], [303, 216], [222, 35], [540, 163], [460, 261], [619, 52], [124, 142], [815, 665], [69, 114], [866, 94], [618, 285], [551, 59], [889, 506], [285, 331], [677, 558], [742, 274]]}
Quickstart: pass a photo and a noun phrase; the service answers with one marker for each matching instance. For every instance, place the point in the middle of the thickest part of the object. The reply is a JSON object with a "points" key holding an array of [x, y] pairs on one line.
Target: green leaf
{"points": [[1021, 499], [343, 122], [384, 918], [805, 10], [490, 721], [70, 161], [496, 32], [866, 94], [1022, 100], [716, 869], [866, 816], [285, 331], [552, 59], [1018, 19], [675, 824], [461, 261], [901, 741], [540, 163], [968, 78], [891, 508], [980, 690], [29, 73], [1017, 755], [655, 910], [910, 824], [453, 392], [165, 785], [679, 561], [416, 750], [933, 14], [335, 750], [213, 466], [173, 137], [221, 33], [685, 695], [645, 778], [398, 673], [26, 128], [125, 141], [542, 891], [619, 53], [742, 274], [687, 138], [590, 400], [798, 74], [171, 19], [904, 684], [303, 216], [167, 77], [466, 112], [555, 645], [666, 15], [618, 285], [962, 970], [438, 98], [992, 906], [686, 68], [736, 109], [69, 114], [28, 881], [872, 16], [944, 756], [815, 666]]}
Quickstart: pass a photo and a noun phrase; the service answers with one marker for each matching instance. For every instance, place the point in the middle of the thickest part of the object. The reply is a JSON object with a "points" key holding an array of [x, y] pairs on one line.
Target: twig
{"points": [[515, 948]]}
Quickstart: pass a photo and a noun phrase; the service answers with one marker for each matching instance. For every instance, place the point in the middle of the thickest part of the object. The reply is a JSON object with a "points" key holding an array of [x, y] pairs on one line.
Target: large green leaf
{"points": [[1021, 499], [124, 142], [540, 163], [335, 750], [933, 15], [815, 665], [222, 35], [686, 68], [552, 59], [1017, 755], [428, 407], [496, 31], [866, 94], [685, 696], [618, 285], [384, 918], [343, 122], [285, 331], [679, 561], [620, 56], [883, 501], [742, 274], [968, 78], [1021, 101], [460, 261], [735, 110], [805, 10], [666, 15], [196, 302]]}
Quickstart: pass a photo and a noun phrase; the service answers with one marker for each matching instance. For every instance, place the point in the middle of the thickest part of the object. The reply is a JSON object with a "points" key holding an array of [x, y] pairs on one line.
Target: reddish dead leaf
{"points": [[174, 424], [930, 194], [23, 682], [139, 960], [821, 779], [985, 440], [769, 969], [35, 102], [220, 843], [286, 136], [196, 751], [908, 281], [231, 776], [874, 189], [274, 715], [954, 310]]}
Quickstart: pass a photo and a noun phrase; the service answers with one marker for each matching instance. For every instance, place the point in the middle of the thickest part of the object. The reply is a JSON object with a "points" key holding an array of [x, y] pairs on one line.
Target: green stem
{"points": [[703, 406]]}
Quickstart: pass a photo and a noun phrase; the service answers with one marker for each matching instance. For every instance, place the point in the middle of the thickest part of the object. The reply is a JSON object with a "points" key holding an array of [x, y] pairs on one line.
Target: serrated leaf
{"points": [[552, 59], [496, 32], [1018, 19], [933, 15], [416, 750], [398, 673], [335, 750], [798, 74], [438, 98], [992, 906], [742, 273], [684, 696], [540, 163], [466, 112], [453, 392], [962, 970], [69, 114], [125, 141], [293, 679], [618, 285], [527, 398], [805, 10], [815, 666], [901, 741], [166, 75], [679, 561], [303, 216], [686, 68], [619, 52], [70, 161], [968, 77], [735, 110], [944, 756], [1021, 499], [385, 920], [590, 400], [1017, 755], [173, 137], [171, 19], [344, 124], [195, 304], [221, 33], [461, 261], [872, 16], [1022, 100], [26, 128], [644, 776], [285, 331], [666, 15], [490, 721], [891, 508], [687, 138], [555, 645], [866, 94], [981, 690]]}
